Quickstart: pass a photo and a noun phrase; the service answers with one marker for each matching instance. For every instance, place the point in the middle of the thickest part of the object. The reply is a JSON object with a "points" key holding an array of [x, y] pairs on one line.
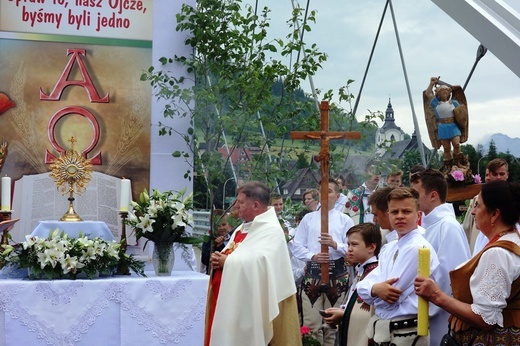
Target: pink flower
{"points": [[477, 179], [354, 198], [457, 175], [304, 330]]}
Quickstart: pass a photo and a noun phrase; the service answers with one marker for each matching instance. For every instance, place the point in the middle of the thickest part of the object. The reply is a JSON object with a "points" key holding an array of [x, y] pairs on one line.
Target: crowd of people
{"points": [[266, 266]]}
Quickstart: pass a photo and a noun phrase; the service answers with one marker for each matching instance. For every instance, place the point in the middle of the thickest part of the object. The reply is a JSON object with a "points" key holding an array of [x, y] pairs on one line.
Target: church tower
{"points": [[389, 132]]}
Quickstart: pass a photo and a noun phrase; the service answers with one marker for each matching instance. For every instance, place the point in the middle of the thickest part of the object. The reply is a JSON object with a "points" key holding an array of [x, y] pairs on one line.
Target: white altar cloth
{"points": [[91, 229], [122, 310]]}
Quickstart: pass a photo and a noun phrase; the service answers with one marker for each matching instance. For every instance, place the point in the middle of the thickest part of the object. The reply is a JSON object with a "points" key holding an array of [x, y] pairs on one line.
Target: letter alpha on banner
{"points": [[85, 83]]}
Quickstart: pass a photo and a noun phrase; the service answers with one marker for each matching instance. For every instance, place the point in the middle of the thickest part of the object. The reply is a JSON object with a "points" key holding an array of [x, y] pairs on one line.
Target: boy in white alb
{"points": [[389, 287]]}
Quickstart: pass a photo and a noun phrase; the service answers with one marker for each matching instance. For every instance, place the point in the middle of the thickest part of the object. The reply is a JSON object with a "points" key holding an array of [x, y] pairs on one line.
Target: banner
{"points": [[114, 19]]}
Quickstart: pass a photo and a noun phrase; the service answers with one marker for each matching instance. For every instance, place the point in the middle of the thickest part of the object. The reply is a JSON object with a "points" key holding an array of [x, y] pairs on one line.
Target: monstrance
{"points": [[71, 173]]}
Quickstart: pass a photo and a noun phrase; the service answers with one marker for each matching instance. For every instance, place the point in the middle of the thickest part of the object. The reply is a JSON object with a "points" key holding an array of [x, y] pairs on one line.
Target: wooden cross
{"points": [[324, 135]]}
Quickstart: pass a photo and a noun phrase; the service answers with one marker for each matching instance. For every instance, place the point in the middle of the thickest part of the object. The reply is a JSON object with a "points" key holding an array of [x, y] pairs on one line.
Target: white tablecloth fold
{"points": [[117, 311]]}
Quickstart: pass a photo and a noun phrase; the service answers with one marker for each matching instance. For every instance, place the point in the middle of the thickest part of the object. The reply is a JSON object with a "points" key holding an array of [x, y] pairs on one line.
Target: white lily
{"points": [[145, 223]]}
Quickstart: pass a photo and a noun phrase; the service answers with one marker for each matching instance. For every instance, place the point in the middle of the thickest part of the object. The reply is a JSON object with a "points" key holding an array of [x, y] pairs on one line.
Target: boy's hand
{"points": [[386, 291], [321, 257], [326, 239], [337, 315]]}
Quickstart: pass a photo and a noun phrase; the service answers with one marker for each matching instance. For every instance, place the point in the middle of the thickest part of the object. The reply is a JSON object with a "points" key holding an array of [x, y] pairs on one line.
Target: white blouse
{"points": [[491, 282]]}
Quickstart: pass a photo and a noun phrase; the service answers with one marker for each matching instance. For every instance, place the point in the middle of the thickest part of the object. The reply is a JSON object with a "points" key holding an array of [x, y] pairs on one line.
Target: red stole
{"points": [[216, 279]]}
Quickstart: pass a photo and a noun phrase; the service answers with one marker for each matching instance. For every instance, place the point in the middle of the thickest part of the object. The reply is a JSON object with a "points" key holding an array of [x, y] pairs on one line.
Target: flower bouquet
{"points": [[163, 218], [307, 339], [458, 177], [59, 256]]}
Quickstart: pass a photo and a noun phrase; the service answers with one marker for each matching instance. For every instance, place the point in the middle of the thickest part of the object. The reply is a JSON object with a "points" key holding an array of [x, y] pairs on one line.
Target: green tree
{"points": [[473, 156], [236, 68], [492, 151], [410, 159]]}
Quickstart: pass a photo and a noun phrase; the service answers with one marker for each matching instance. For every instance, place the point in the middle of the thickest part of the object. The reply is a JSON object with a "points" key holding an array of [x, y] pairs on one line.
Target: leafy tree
{"points": [[235, 72]]}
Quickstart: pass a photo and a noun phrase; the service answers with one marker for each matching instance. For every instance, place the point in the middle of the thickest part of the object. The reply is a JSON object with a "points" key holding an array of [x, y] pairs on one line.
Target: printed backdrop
{"points": [[48, 47]]}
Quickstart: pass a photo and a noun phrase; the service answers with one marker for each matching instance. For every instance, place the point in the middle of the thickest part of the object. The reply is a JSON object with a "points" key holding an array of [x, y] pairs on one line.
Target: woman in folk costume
{"points": [[364, 243], [485, 307]]}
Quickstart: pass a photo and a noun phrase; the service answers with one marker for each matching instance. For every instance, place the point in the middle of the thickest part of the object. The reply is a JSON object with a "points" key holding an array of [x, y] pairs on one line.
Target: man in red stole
{"points": [[252, 295]]}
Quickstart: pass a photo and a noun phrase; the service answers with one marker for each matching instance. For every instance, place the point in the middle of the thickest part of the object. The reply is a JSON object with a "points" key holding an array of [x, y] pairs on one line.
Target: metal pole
{"points": [[369, 60], [224, 193], [414, 116], [481, 51]]}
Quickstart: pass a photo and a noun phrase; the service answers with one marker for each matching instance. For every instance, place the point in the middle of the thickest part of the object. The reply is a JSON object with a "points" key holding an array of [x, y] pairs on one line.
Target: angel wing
{"points": [[431, 122], [461, 112]]}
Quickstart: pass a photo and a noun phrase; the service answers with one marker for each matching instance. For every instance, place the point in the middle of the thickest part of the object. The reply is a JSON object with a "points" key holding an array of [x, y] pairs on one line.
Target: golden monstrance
{"points": [[71, 173]]}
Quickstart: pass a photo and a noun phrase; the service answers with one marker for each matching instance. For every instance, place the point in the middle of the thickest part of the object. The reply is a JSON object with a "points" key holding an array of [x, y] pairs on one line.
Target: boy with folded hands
{"points": [[390, 286]]}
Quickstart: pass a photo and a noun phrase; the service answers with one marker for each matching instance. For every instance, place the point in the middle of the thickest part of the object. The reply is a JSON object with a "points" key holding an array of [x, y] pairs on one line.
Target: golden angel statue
{"points": [[446, 113]]}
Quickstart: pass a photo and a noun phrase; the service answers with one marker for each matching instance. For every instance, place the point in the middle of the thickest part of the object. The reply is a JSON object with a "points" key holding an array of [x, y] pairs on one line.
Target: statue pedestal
{"points": [[461, 193]]}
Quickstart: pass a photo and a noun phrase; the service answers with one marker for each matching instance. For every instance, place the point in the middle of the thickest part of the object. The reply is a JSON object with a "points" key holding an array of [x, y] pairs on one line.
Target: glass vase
{"points": [[163, 259]]}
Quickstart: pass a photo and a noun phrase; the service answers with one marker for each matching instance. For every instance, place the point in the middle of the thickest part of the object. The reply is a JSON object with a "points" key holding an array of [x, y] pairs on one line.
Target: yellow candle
{"points": [[422, 313], [125, 195], [6, 194]]}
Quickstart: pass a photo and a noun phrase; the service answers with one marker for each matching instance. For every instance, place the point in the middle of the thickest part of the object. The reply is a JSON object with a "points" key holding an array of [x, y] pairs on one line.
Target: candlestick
{"points": [[125, 194], [6, 193], [122, 267], [422, 311]]}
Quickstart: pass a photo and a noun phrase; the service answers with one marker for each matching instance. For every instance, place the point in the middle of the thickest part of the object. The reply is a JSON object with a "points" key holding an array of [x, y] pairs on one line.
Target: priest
{"points": [[252, 296]]}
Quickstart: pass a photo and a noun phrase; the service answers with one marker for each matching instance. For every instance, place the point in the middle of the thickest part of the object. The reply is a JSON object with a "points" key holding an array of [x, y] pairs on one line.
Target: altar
{"points": [[91, 229], [121, 310]]}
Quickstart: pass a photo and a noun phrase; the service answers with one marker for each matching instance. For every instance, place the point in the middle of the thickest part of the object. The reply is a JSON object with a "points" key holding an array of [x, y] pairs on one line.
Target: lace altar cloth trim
{"points": [[60, 313]]}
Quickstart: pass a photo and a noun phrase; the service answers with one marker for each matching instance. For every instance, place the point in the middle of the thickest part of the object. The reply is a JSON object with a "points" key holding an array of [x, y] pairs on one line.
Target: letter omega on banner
{"points": [[55, 95]]}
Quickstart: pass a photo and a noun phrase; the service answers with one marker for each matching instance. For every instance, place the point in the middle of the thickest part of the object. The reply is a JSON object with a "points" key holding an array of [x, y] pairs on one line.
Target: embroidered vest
{"points": [[461, 291]]}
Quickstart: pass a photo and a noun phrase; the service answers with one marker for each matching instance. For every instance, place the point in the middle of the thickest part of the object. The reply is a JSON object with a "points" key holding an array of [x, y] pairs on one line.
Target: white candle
{"points": [[6, 194], [125, 194]]}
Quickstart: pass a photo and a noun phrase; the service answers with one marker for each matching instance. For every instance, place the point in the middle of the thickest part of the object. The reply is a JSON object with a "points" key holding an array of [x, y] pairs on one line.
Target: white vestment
{"points": [[398, 259], [256, 277], [448, 239], [308, 232]]}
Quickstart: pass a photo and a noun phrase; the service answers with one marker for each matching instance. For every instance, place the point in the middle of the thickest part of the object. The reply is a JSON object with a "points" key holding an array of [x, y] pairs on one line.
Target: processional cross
{"points": [[324, 135]]}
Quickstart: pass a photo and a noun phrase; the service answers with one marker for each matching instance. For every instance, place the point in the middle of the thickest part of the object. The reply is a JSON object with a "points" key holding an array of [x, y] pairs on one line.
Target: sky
{"points": [[433, 44]]}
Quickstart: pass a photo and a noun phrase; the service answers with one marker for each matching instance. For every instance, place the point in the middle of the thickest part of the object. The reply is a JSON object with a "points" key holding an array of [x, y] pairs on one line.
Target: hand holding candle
{"points": [[422, 313], [125, 194], [6, 194]]}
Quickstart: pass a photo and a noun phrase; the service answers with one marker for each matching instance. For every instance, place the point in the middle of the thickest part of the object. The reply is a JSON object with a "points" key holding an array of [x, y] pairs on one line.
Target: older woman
{"points": [[485, 307]]}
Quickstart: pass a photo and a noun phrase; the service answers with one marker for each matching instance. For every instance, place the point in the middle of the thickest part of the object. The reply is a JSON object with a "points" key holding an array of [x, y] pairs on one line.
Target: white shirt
{"points": [[448, 239], [490, 284], [308, 232], [340, 203], [482, 241], [405, 268], [359, 269]]}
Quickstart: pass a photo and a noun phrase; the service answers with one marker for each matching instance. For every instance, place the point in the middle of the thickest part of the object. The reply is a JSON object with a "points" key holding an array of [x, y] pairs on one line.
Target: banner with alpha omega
{"points": [[71, 68]]}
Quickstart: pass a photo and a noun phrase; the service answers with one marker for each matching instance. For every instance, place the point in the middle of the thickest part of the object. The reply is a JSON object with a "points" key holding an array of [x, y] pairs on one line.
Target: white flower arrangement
{"points": [[163, 217], [59, 256]]}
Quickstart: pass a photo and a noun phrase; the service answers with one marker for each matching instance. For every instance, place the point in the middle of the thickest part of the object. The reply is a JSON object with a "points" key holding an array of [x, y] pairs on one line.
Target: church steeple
{"points": [[389, 115]]}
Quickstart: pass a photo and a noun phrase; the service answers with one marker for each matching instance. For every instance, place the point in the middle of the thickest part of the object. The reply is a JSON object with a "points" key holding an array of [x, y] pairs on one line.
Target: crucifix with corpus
{"points": [[324, 135]]}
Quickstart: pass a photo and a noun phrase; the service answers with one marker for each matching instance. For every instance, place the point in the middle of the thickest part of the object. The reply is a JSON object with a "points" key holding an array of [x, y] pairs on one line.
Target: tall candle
{"points": [[422, 313], [125, 194], [6, 194]]}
